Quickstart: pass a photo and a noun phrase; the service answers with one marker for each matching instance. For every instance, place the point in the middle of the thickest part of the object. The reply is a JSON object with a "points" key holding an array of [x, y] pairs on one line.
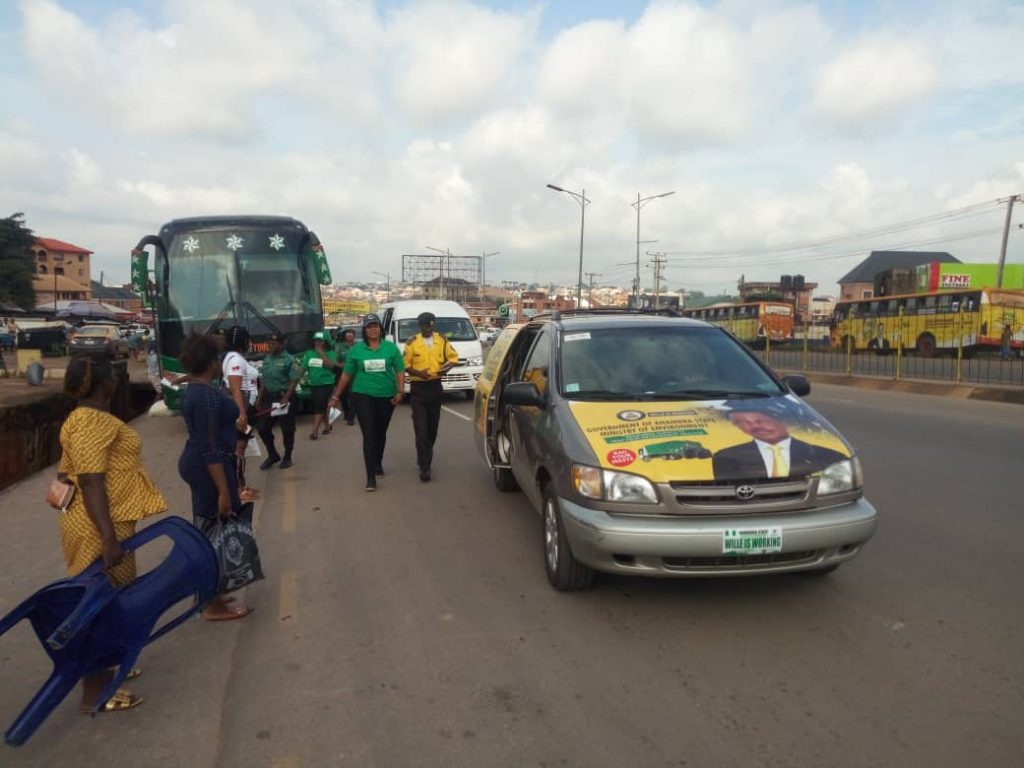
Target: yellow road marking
{"points": [[288, 597], [288, 518]]}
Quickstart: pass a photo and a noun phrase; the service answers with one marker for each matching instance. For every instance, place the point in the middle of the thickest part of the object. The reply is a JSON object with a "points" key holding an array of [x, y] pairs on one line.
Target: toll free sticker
{"points": [[621, 457]]}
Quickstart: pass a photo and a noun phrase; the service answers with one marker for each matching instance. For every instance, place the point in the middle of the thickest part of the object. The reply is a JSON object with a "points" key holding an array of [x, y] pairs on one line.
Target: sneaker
{"points": [[271, 461], [380, 470], [424, 475], [286, 462], [371, 484]]}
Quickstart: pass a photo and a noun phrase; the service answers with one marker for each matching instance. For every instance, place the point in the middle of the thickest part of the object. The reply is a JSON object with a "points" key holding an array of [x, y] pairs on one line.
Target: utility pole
{"points": [[1006, 236], [658, 263], [590, 294]]}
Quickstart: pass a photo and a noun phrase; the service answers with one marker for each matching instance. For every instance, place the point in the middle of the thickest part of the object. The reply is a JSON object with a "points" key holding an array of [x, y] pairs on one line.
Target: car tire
{"points": [[565, 573], [504, 480]]}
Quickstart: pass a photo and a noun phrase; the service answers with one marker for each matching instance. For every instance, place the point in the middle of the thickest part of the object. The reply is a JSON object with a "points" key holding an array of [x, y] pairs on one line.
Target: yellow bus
{"points": [[752, 322], [931, 322]]}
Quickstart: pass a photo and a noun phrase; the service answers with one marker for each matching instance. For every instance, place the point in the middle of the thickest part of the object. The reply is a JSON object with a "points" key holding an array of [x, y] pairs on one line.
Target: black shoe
{"points": [[424, 475], [380, 470], [371, 484], [350, 422], [286, 462], [271, 461]]}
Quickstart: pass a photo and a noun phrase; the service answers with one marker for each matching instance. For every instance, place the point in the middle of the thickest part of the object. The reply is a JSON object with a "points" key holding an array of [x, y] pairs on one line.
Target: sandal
{"points": [[232, 615], [312, 435], [249, 495], [119, 702]]}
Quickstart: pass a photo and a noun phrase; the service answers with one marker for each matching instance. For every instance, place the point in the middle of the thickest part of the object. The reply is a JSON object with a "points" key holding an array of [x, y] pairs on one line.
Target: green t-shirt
{"points": [[320, 374], [279, 371], [342, 349], [373, 371]]}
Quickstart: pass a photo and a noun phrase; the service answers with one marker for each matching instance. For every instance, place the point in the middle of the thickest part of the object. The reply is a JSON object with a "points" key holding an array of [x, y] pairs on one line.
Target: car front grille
{"points": [[713, 498], [734, 562]]}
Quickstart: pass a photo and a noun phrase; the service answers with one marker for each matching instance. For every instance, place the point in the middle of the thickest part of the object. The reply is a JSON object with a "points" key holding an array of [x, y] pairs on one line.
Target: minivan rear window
{"points": [[683, 362]]}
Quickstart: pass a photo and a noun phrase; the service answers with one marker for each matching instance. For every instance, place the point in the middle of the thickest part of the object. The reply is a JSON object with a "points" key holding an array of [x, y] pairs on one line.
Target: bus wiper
{"points": [[707, 394]]}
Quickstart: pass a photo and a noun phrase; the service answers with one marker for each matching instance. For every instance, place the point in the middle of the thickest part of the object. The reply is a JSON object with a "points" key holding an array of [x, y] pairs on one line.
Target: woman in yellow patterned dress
{"points": [[102, 457]]}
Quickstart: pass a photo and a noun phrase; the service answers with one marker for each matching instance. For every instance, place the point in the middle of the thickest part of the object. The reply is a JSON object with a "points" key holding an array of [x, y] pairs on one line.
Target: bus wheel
{"points": [[926, 345]]}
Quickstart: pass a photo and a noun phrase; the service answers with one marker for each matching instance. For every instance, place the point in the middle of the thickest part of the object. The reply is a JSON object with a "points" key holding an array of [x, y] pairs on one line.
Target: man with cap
{"points": [[376, 372], [320, 364], [279, 376], [428, 357]]}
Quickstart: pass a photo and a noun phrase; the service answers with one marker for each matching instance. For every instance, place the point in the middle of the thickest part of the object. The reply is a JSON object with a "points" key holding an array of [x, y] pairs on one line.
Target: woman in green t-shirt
{"points": [[376, 372], [320, 365]]}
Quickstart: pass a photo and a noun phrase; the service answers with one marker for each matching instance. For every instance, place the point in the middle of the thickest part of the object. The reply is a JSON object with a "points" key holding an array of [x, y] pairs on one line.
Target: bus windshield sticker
{"points": [[577, 336]]}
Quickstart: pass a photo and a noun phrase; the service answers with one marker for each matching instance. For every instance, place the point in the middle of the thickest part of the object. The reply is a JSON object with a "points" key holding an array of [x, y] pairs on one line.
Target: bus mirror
{"points": [[798, 385]]}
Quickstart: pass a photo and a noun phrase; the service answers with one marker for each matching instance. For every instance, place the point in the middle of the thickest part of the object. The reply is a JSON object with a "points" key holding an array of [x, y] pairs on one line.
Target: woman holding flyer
{"points": [[321, 365]]}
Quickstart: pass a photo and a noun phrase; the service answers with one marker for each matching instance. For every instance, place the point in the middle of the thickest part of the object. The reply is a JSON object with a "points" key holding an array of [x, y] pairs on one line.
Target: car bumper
{"points": [[459, 379], [682, 547]]}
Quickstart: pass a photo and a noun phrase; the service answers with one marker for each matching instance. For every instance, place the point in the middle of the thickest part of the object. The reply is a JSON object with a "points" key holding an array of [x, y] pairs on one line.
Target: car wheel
{"points": [[565, 572], [821, 571], [504, 480]]}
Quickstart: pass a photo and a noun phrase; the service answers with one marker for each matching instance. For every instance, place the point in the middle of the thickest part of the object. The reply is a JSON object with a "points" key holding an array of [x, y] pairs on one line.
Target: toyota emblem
{"points": [[745, 492]]}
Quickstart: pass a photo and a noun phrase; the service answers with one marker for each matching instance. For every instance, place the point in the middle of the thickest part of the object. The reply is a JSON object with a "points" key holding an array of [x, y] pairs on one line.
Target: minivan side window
{"points": [[539, 361]]}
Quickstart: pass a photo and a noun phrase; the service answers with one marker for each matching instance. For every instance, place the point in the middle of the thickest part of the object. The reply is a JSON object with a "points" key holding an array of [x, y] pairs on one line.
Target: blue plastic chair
{"points": [[87, 625]]}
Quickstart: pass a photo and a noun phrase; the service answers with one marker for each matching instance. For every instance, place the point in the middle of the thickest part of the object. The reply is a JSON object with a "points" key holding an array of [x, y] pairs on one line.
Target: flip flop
{"points": [[232, 615], [132, 674], [121, 700]]}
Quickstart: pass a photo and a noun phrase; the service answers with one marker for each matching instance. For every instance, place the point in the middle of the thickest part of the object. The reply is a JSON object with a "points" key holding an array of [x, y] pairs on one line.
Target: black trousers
{"points": [[346, 404], [374, 416], [425, 397], [286, 423]]}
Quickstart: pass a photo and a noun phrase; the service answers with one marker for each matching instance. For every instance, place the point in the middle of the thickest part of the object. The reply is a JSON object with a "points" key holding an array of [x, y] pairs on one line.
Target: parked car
{"points": [[99, 339], [748, 479]]}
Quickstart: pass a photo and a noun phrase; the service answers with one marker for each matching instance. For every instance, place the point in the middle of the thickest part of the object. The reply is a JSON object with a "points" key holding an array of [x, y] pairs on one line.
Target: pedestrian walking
{"points": [[208, 463], [345, 343], [101, 457], [279, 376], [240, 378], [322, 368], [428, 357], [1006, 341], [153, 369], [376, 372]]}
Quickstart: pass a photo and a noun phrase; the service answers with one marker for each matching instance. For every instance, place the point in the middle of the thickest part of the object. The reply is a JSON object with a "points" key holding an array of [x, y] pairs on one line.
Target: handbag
{"points": [[60, 494], [238, 555]]}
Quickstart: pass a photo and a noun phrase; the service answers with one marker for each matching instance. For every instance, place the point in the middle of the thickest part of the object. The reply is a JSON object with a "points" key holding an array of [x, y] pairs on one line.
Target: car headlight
{"points": [[606, 485], [841, 477], [475, 361]]}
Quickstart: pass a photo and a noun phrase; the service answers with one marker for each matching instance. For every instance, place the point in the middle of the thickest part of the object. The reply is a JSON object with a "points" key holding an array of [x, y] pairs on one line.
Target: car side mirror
{"points": [[798, 385], [523, 393]]}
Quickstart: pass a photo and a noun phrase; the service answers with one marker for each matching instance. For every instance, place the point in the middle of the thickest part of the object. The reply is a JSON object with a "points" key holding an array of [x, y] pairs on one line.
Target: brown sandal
{"points": [[121, 700], [232, 615]]}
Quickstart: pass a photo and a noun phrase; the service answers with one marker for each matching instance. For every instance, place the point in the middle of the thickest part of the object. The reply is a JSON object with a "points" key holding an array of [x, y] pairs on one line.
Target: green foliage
{"points": [[16, 262]]}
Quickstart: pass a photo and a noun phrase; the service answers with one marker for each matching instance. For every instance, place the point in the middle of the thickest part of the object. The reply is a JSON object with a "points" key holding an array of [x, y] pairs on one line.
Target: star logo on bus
{"points": [[191, 244], [235, 242], [276, 242]]}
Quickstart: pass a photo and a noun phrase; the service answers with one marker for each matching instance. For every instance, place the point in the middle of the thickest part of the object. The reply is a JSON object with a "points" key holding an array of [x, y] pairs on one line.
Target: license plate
{"points": [[751, 541]]}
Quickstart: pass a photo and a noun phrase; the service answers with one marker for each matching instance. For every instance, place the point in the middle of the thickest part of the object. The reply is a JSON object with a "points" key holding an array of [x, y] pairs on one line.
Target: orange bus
{"points": [[752, 322]]}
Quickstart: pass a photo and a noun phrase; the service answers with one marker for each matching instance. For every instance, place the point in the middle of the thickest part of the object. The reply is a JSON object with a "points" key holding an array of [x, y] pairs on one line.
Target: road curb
{"points": [[1013, 395]]}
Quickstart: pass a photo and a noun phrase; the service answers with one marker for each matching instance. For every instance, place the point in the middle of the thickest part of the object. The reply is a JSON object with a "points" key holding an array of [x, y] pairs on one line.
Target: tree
{"points": [[16, 262]]}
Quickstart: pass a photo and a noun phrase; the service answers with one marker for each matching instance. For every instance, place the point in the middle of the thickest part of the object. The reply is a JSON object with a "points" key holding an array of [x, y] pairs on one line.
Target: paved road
{"points": [[414, 626]]}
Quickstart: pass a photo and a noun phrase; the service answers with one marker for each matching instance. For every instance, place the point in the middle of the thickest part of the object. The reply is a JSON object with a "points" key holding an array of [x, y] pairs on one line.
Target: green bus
{"points": [[213, 272]]}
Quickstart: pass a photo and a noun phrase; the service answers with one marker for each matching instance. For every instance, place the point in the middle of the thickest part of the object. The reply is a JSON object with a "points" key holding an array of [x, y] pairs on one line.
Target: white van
{"points": [[399, 322]]}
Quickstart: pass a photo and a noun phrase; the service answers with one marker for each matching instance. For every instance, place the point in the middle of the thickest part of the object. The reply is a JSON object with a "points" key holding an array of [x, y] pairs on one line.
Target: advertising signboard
{"points": [[958, 277]]}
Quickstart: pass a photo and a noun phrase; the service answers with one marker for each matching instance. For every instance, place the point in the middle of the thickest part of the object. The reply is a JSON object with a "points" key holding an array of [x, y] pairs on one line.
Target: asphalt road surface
{"points": [[415, 627]]}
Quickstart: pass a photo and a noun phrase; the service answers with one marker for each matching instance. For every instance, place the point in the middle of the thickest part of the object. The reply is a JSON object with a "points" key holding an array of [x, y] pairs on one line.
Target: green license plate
{"points": [[752, 541]]}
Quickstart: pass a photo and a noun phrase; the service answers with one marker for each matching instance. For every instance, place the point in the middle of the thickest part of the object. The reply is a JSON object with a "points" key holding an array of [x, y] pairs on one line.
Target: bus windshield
{"points": [[276, 285], [452, 328]]}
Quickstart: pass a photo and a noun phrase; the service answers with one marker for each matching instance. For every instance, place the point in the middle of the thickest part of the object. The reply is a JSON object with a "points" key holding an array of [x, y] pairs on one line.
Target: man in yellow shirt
{"points": [[428, 357]]}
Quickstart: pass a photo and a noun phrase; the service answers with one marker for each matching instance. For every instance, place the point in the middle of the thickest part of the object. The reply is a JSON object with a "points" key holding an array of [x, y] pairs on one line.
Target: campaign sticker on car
{"points": [[751, 541]]}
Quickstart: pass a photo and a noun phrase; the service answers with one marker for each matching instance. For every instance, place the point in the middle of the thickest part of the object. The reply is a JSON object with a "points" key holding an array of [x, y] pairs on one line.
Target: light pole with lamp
{"points": [[640, 203], [386, 276], [581, 198], [442, 293]]}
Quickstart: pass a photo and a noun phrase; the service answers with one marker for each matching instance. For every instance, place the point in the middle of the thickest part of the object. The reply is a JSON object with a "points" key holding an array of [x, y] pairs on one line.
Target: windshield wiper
{"points": [[605, 394], [707, 394]]}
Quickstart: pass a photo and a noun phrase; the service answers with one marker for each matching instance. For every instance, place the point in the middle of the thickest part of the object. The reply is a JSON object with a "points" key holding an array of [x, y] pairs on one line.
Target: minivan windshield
{"points": [[668, 362], [452, 328]]}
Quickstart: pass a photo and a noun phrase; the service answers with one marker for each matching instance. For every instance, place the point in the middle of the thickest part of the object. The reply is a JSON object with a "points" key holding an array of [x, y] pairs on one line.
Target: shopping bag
{"points": [[238, 556], [332, 415], [280, 409], [252, 449]]}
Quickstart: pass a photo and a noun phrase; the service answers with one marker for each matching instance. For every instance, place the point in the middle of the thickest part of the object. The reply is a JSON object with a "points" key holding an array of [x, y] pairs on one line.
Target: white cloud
{"points": [[876, 79]]}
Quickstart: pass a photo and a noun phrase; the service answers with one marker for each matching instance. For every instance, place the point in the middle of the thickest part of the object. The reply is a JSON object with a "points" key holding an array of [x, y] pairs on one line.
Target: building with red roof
{"points": [[56, 258]]}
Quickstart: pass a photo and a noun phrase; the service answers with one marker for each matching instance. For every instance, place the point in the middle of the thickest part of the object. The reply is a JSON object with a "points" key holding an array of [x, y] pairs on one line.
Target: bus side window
{"points": [[892, 306], [946, 301], [911, 305], [873, 308]]}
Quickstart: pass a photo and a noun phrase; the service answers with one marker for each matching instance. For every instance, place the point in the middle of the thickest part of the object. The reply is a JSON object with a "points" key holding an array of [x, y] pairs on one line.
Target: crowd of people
{"points": [[226, 395]]}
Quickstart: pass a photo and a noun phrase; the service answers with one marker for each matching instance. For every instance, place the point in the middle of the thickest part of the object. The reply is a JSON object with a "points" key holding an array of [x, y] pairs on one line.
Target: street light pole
{"points": [[581, 198], [640, 203], [483, 273], [386, 276]]}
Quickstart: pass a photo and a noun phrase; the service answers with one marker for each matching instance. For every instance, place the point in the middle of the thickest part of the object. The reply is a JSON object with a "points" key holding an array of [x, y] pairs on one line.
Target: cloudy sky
{"points": [[391, 126]]}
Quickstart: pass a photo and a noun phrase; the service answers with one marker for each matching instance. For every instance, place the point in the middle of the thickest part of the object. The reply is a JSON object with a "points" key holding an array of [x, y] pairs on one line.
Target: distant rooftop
{"points": [[880, 261], [59, 246]]}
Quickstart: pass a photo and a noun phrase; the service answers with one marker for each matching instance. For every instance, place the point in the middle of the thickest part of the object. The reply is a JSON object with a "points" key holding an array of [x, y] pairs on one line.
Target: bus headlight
{"points": [[841, 477], [606, 485]]}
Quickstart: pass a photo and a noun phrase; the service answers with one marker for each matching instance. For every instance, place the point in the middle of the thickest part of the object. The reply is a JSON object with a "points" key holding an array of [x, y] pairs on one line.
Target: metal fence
{"points": [[812, 352]]}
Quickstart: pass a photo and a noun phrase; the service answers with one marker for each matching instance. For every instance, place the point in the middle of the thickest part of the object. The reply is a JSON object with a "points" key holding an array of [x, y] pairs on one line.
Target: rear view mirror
{"points": [[523, 393], [798, 385]]}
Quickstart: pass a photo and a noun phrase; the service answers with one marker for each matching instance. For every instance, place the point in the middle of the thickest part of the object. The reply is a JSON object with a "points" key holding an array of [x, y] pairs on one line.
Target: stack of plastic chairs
{"points": [[86, 625]]}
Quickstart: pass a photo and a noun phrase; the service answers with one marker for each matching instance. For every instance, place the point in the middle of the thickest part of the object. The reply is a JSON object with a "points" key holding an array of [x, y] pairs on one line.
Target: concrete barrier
{"points": [[963, 392]]}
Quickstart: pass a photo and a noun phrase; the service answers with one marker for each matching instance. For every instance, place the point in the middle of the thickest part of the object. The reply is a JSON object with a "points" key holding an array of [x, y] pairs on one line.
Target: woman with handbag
{"points": [[110, 491], [209, 461], [240, 378]]}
